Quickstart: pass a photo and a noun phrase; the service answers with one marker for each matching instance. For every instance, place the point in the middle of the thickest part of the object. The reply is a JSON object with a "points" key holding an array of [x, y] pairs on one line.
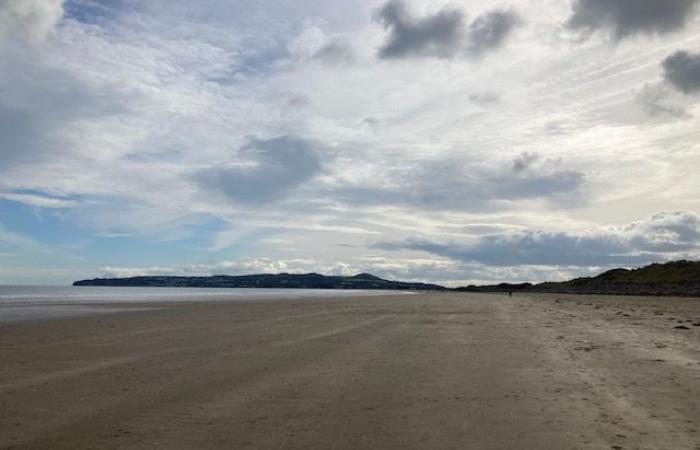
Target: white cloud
{"points": [[33, 20], [39, 200], [238, 267]]}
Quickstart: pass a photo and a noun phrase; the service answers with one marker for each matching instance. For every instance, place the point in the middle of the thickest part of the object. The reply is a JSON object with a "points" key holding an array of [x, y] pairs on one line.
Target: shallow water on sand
{"points": [[18, 303]]}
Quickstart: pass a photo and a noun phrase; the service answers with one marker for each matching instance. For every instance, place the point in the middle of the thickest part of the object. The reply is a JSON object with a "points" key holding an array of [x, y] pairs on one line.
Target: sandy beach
{"points": [[427, 371]]}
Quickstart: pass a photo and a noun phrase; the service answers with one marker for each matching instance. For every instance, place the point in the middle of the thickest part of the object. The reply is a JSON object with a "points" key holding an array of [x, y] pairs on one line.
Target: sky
{"points": [[455, 142]]}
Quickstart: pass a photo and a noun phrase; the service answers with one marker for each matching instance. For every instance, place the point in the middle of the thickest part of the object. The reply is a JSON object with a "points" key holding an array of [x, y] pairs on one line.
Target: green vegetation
{"points": [[672, 278]]}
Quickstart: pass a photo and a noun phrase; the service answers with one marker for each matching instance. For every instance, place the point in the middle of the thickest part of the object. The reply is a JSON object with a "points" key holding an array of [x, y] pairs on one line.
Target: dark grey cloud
{"points": [[444, 34], [448, 185], [439, 35], [682, 70], [660, 237], [627, 17], [490, 30], [269, 170]]}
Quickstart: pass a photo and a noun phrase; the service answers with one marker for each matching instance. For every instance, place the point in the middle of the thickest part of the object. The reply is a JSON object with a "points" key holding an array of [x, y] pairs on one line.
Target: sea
{"points": [[22, 303]]}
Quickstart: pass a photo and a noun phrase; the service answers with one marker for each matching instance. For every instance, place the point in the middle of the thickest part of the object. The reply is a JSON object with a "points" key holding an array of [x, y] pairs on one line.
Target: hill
{"points": [[679, 278], [282, 280]]}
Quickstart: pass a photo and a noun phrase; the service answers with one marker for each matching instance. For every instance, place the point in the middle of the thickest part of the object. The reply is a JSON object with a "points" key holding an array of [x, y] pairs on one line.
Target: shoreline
{"points": [[37, 303]]}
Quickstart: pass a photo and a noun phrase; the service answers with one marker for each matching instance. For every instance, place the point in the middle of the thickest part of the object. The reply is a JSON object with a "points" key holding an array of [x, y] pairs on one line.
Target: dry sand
{"points": [[433, 371]]}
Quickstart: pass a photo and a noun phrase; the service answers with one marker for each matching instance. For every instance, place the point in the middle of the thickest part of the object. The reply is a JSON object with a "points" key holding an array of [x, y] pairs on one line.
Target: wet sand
{"points": [[429, 371]]}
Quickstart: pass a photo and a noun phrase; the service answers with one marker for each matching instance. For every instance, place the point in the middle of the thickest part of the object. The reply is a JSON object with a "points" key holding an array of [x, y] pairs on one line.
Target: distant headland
{"points": [[280, 281]]}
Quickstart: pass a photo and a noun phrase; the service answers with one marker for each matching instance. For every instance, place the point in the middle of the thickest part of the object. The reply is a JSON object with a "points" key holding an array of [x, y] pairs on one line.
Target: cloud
{"points": [[40, 100], [41, 103], [42, 201], [489, 31], [682, 70], [665, 232], [484, 98], [524, 161], [451, 185], [662, 236], [535, 185], [440, 35], [659, 101], [371, 121], [33, 20], [268, 171], [444, 34], [313, 43], [335, 52], [238, 267], [624, 18]]}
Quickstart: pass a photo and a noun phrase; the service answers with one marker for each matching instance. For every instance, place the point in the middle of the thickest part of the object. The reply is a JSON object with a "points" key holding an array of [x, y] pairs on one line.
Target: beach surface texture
{"points": [[425, 371]]}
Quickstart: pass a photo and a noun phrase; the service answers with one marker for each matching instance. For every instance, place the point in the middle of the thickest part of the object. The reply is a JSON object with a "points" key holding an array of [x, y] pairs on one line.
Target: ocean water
{"points": [[20, 303]]}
